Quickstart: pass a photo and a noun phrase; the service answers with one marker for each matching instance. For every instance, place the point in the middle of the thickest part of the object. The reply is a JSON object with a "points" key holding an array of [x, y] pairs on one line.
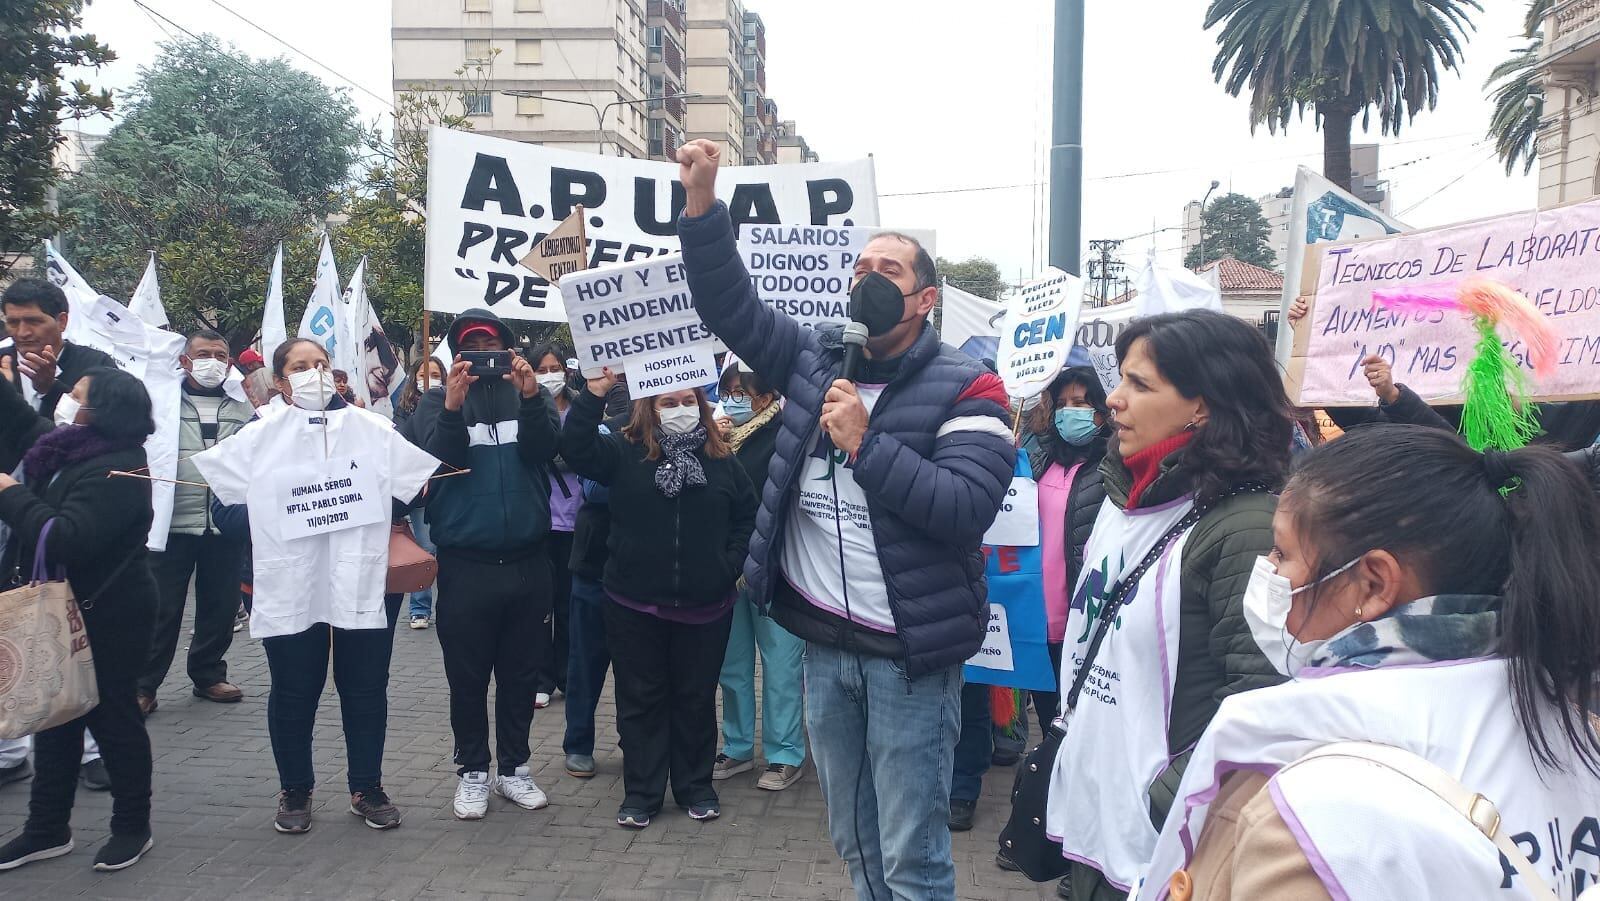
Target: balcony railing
{"points": [[1571, 23], [666, 10]]}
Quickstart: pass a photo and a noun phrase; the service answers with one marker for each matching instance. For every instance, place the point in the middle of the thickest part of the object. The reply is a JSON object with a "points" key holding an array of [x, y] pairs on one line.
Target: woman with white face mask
{"points": [[566, 495], [320, 478], [682, 510], [1428, 598]]}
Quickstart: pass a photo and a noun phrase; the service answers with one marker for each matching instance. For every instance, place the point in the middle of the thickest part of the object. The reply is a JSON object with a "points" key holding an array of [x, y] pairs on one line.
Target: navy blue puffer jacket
{"points": [[934, 464]]}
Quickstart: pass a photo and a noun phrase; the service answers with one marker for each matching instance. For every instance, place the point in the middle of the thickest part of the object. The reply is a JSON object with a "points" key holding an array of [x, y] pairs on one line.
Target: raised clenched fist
{"points": [[697, 169]]}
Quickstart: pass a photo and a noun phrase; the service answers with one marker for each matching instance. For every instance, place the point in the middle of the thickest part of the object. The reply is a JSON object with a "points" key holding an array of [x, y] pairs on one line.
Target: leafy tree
{"points": [[1517, 93], [218, 159], [1233, 226], [974, 275], [35, 44], [1340, 59]]}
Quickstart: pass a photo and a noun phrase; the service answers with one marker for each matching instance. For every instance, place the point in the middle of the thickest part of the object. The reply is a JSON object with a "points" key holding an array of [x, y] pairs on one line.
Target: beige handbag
{"points": [[46, 667]]}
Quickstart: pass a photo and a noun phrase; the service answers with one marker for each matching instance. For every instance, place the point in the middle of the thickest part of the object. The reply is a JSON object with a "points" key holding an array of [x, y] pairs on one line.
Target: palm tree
{"points": [[1340, 57], [1519, 96]]}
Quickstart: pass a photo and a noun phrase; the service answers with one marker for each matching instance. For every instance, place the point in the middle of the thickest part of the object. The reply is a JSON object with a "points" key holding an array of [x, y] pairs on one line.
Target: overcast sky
{"points": [[955, 95]]}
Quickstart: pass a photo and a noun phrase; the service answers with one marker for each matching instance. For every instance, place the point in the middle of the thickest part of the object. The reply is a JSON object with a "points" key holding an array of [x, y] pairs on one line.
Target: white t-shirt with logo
{"points": [[819, 524]]}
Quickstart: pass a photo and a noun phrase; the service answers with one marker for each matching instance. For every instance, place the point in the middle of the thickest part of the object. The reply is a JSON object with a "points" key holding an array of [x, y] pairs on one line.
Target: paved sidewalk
{"points": [[215, 793]]}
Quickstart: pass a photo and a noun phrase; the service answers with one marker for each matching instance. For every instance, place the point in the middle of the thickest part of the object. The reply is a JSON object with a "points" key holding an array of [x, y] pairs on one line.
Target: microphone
{"points": [[855, 343]]}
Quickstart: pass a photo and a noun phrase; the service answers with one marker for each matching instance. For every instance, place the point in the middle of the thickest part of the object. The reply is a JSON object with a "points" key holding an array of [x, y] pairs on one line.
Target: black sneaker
{"points": [[376, 808], [27, 848], [123, 851], [294, 812], [93, 776], [961, 813], [21, 771], [1004, 862]]}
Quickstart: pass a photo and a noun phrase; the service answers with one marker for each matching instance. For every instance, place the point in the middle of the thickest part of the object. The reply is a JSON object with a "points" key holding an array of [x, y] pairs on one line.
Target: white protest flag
{"points": [[491, 200], [80, 297], [1322, 212], [146, 302], [354, 297], [324, 316], [273, 331], [1173, 289], [374, 362], [806, 271], [1038, 331], [969, 323]]}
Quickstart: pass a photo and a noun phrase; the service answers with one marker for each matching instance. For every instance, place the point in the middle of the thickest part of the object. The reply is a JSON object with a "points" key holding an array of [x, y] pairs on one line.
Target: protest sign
{"points": [[565, 250], [1017, 523], [806, 271], [490, 200], [1550, 256], [1322, 212], [328, 496], [1098, 330], [1015, 653], [638, 318], [1038, 331], [969, 323]]}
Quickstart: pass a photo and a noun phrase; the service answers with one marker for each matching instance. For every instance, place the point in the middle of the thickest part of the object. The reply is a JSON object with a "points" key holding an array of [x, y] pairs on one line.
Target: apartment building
{"points": [[1569, 133]]}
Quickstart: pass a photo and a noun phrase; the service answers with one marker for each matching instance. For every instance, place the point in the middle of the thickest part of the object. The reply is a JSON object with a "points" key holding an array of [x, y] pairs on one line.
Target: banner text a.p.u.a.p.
{"points": [[491, 200]]}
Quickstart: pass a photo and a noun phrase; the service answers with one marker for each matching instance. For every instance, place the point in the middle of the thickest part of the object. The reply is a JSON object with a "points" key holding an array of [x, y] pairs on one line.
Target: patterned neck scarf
{"points": [[1427, 630], [679, 466]]}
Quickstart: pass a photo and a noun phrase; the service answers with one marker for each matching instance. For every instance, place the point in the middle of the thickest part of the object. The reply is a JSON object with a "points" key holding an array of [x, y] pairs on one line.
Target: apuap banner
{"points": [[969, 323], [639, 319], [1551, 256], [490, 200], [806, 271], [1040, 326], [1322, 213]]}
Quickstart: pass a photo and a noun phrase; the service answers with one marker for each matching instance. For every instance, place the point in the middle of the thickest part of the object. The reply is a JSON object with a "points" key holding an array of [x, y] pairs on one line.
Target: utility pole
{"points": [[1103, 268], [1066, 141]]}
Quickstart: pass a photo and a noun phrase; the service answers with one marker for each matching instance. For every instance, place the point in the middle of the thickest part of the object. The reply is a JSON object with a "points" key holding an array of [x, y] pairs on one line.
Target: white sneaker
{"points": [[541, 700], [419, 622], [520, 790], [472, 796]]}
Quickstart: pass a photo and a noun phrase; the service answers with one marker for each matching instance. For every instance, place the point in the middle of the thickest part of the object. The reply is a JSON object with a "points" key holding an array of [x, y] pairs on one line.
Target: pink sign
{"points": [[1551, 256]]}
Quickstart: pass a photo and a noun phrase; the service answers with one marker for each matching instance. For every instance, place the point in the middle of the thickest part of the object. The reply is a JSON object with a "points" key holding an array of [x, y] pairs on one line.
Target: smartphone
{"points": [[488, 363]]}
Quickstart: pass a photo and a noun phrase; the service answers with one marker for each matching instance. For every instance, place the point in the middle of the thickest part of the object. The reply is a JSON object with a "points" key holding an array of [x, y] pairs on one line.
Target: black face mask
{"points": [[876, 302]]}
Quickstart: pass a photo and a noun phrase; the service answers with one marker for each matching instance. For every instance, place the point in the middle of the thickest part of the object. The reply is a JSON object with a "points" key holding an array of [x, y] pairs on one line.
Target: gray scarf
{"points": [[1427, 630], [679, 466]]}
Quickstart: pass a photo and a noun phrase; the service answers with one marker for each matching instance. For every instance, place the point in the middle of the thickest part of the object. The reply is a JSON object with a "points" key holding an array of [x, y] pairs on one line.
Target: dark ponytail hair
{"points": [[1210, 355], [1520, 525]]}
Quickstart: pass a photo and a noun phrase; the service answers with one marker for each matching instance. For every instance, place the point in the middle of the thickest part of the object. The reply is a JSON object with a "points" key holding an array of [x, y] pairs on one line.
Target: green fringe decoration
{"points": [[1489, 418]]}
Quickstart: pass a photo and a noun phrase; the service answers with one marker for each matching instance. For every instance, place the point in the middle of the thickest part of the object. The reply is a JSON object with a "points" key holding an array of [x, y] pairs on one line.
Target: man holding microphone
{"points": [[867, 543]]}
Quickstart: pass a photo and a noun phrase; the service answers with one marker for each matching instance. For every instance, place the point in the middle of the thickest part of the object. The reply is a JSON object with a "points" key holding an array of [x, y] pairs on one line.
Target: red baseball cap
{"points": [[250, 357]]}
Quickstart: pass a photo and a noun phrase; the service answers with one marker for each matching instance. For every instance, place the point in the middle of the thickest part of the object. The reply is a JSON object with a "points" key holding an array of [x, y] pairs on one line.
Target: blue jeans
{"points": [[587, 661], [883, 746], [422, 601], [976, 745], [783, 738]]}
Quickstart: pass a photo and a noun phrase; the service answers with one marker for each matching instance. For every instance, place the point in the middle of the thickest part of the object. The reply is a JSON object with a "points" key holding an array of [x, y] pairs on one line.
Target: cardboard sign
{"points": [[1550, 256], [806, 271], [632, 315], [565, 251], [491, 200], [1098, 331], [1038, 331], [329, 496]]}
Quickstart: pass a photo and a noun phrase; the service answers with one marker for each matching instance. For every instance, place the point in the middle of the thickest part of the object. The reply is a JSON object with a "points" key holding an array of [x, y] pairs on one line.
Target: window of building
{"points": [[478, 103], [530, 52], [530, 6], [477, 6], [530, 106], [479, 50]]}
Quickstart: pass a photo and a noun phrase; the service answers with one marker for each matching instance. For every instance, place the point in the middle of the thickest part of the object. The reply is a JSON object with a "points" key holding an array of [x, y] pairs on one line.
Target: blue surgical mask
{"points": [[1076, 425], [737, 409]]}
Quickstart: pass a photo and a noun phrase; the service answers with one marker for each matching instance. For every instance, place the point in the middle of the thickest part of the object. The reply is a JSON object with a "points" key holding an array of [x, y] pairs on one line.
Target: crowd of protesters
{"points": [[1283, 655]]}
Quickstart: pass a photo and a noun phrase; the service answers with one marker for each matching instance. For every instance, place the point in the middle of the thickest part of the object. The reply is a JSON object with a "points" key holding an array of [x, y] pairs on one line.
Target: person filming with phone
{"points": [[491, 526]]}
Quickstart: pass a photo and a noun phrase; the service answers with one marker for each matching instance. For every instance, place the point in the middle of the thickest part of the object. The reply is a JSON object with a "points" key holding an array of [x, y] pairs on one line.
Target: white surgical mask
{"points": [[553, 382], [313, 389], [67, 410], [677, 420], [208, 373], [1268, 599]]}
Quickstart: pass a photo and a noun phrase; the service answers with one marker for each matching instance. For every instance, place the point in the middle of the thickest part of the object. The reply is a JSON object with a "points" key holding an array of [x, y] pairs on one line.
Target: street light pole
{"points": [[600, 112], [1214, 185], [1066, 141]]}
